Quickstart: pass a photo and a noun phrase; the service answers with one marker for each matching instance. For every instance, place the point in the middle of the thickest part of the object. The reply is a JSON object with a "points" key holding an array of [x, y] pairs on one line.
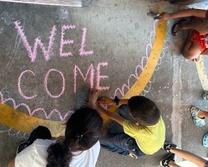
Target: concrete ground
{"points": [[116, 39]]}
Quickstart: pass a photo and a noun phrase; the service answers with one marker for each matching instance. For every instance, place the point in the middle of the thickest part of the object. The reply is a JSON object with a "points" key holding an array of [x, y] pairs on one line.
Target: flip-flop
{"points": [[199, 122], [174, 31], [196, 59], [205, 96], [205, 140]]}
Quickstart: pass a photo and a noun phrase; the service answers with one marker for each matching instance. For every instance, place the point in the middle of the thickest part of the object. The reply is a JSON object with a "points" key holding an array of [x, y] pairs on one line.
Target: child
{"points": [[79, 147], [197, 26], [143, 127], [168, 161]]}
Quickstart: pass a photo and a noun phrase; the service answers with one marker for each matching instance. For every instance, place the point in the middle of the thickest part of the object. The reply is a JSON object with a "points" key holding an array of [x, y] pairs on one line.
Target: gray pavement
{"points": [[118, 33]]}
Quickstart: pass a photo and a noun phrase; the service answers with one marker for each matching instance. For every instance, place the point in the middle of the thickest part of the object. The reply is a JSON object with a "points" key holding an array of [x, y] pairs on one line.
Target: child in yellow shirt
{"points": [[143, 127]]}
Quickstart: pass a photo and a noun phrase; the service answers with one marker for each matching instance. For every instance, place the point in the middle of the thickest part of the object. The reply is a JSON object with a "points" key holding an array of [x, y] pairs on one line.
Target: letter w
{"points": [[33, 53]]}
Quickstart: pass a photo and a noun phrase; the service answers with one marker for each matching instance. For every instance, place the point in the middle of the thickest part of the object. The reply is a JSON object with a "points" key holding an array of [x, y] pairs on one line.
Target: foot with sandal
{"points": [[199, 115], [176, 28]]}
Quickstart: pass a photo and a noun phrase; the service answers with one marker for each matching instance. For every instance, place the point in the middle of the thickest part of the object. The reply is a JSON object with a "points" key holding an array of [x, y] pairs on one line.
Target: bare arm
{"points": [[12, 163], [109, 114], [109, 102], [97, 105], [183, 13], [123, 101]]}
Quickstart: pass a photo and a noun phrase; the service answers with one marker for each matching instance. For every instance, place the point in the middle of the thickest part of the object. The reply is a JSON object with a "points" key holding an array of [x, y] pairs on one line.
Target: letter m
{"points": [[89, 71]]}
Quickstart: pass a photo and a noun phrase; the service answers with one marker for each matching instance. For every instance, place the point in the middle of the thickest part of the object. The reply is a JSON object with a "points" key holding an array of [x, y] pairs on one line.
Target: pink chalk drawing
{"points": [[46, 83], [91, 72], [47, 51], [32, 112], [99, 77], [140, 67], [82, 51], [38, 42], [19, 85], [65, 42]]}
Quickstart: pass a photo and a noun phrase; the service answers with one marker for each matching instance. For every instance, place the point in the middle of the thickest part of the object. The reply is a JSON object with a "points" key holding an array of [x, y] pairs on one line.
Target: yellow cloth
{"points": [[150, 139]]}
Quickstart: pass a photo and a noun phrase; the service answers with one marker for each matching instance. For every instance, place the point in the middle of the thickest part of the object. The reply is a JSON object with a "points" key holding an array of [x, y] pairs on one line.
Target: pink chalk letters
{"points": [[46, 50]]}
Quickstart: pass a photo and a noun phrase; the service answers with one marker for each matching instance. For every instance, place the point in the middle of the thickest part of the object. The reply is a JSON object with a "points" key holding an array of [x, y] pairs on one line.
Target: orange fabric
{"points": [[199, 39]]}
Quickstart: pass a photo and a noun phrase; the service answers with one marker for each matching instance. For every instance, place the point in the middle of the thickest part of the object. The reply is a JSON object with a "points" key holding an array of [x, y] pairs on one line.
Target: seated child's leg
{"points": [[193, 46], [189, 156], [114, 128], [116, 143], [123, 111], [173, 164], [121, 144], [194, 24]]}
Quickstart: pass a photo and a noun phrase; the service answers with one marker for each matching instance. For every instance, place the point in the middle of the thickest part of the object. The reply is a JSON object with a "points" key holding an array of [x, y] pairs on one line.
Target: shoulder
{"points": [[86, 158], [43, 142], [37, 150], [95, 148], [161, 122], [130, 126]]}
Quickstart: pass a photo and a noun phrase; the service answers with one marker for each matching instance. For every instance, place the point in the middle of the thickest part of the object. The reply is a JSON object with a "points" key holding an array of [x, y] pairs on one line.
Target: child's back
{"points": [[148, 129]]}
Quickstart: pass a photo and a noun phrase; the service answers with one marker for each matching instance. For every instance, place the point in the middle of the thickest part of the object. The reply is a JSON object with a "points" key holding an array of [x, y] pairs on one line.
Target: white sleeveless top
{"points": [[35, 155]]}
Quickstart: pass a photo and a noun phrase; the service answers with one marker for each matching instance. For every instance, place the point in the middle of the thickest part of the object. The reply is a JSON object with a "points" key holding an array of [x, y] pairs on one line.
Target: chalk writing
{"points": [[90, 72], [82, 51], [46, 83], [47, 51], [19, 85], [99, 77], [65, 42], [38, 42]]}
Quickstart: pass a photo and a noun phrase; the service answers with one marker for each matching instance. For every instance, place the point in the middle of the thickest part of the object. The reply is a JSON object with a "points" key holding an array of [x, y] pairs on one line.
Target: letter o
{"points": [[46, 83]]}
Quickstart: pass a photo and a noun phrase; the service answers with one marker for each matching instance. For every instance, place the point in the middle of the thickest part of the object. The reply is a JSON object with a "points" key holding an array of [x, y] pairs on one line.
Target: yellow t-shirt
{"points": [[150, 139]]}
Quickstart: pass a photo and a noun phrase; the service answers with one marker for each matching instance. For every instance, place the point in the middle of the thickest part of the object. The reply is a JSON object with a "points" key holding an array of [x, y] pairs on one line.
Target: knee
{"points": [[188, 55]]}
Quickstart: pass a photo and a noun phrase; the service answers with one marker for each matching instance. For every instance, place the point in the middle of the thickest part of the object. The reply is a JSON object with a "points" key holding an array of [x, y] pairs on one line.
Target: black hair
{"points": [[144, 110], [83, 130]]}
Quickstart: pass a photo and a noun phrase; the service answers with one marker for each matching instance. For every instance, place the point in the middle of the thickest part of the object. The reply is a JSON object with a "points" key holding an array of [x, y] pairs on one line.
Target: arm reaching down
{"points": [[111, 115], [183, 13]]}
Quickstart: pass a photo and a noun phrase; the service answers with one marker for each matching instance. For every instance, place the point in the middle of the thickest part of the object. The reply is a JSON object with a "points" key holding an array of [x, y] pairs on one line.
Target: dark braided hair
{"points": [[83, 130]]}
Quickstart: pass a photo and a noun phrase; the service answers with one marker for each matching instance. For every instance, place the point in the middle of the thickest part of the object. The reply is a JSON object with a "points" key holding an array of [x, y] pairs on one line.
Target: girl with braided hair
{"points": [[78, 148]]}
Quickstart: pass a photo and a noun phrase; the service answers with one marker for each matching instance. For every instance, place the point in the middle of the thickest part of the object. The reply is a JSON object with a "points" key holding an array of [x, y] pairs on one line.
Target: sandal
{"points": [[205, 96], [196, 59], [205, 140], [176, 28], [199, 122]]}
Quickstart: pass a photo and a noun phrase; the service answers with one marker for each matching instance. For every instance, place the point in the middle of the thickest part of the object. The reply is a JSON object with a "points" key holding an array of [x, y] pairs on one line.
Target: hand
{"points": [[93, 98], [106, 101], [164, 16]]}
